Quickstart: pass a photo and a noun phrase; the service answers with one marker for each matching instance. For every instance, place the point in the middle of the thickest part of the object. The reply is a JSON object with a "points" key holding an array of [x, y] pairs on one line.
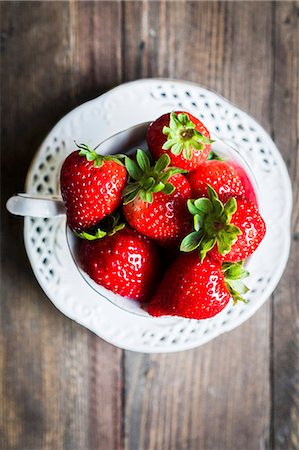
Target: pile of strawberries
{"points": [[170, 227]]}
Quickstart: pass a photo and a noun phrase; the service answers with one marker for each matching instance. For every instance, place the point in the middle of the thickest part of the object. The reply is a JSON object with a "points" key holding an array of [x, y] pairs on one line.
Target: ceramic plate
{"points": [[120, 108]]}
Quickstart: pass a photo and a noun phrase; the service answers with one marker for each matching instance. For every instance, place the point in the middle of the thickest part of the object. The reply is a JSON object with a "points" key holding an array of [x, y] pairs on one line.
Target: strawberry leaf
{"points": [[226, 238], [230, 207], [149, 197], [162, 163], [206, 245], [149, 183], [197, 145], [130, 197], [239, 286], [191, 242], [142, 160], [142, 195], [91, 155], [213, 155], [203, 138], [158, 187], [182, 137], [91, 237], [168, 144], [192, 208], [130, 188], [175, 170], [234, 271], [108, 226], [119, 227], [212, 219], [198, 222], [217, 204], [166, 130], [187, 151], [204, 205], [134, 171], [168, 189], [114, 158], [177, 149], [233, 275], [184, 120]]}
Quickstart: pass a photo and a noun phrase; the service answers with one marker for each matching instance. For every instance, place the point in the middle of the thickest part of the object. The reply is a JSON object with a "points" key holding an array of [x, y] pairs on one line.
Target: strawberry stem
{"points": [[182, 137], [211, 225], [146, 179]]}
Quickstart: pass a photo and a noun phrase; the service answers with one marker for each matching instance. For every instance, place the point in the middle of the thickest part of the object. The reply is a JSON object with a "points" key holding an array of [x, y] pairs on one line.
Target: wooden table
{"points": [[63, 387]]}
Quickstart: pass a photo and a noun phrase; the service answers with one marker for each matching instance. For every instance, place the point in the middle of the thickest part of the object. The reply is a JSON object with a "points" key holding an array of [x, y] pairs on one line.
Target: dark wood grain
{"points": [[63, 388], [204, 399], [61, 385], [285, 327]]}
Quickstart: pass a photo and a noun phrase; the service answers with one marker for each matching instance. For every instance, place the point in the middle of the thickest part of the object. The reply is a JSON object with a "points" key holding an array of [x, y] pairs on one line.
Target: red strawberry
{"points": [[236, 227], [182, 136], [197, 290], [126, 263], [91, 187], [248, 188], [155, 200], [252, 227], [223, 178]]}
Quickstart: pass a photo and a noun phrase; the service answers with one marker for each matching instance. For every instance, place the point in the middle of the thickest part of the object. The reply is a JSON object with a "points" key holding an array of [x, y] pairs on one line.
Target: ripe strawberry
{"points": [[223, 178], [91, 187], [197, 290], [182, 136], [126, 263], [248, 188], [235, 226], [155, 199]]}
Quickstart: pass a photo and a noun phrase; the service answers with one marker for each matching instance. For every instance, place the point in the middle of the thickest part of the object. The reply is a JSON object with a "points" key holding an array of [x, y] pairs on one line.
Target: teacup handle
{"points": [[35, 206]]}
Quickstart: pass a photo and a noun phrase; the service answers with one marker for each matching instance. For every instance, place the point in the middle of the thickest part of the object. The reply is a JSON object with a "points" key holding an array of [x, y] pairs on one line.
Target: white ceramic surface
{"points": [[125, 106]]}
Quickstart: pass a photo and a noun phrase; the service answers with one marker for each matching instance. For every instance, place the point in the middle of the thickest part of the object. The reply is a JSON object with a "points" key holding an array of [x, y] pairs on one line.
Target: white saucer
{"points": [[120, 108]]}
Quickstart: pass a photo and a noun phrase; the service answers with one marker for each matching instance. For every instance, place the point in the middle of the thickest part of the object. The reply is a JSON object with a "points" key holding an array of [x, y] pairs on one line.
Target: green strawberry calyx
{"points": [[91, 155], [212, 225], [145, 179], [233, 276], [108, 226], [182, 136], [213, 156]]}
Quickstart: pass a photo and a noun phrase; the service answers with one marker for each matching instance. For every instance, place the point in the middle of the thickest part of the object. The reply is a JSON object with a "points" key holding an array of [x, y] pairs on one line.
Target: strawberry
{"points": [[182, 136], [235, 226], [91, 187], [248, 188], [155, 199], [197, 290], [125, 262], [223, 178]]}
